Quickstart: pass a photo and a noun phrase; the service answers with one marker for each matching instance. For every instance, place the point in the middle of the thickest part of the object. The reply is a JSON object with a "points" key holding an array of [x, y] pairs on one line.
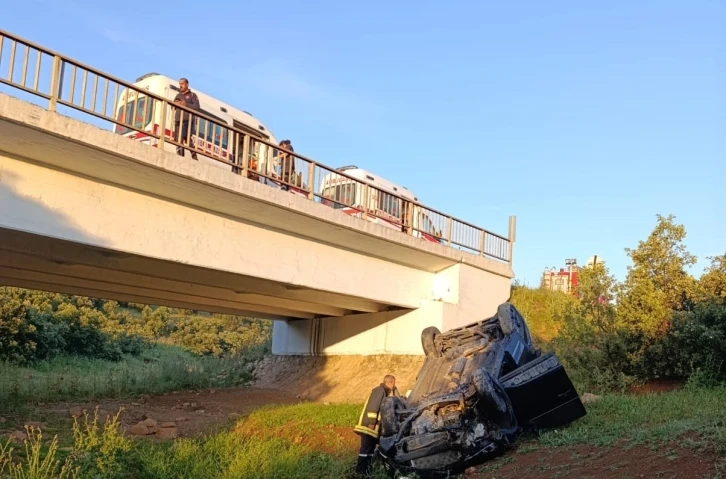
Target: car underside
{"points": [[479, 387]]}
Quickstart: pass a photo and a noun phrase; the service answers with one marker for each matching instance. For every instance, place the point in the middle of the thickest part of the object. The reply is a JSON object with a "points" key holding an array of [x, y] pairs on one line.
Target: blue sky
{"points": [[583, 119]]}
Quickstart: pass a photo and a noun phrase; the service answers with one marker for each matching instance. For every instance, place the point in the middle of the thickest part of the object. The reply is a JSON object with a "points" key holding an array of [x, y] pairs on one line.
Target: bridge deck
{"points": [[70, 145], [53, 141]]}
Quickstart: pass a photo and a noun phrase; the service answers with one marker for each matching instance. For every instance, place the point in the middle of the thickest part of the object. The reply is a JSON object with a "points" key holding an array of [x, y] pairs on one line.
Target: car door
{"points": [[542, 394]]}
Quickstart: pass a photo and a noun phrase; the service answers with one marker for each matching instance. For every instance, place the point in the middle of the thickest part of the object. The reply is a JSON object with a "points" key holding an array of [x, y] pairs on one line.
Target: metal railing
{"points": [[145, 116]]}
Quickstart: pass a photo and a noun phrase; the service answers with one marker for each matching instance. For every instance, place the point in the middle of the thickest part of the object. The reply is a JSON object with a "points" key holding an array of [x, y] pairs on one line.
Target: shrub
{"points": [[597, 354], [543, 310], [695, 341], [38, 326]]}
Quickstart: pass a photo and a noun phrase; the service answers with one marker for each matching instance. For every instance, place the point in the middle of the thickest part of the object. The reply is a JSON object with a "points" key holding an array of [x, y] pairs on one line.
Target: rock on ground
{"points": [[589, 398]]}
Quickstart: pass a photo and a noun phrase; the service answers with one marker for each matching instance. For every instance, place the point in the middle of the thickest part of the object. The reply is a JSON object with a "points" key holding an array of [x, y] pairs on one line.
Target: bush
{"points": [[695, 341], [693, 346], [220, 335], [27, 334], [41, 326], [597, 354], [37, 326], [543, 310]]}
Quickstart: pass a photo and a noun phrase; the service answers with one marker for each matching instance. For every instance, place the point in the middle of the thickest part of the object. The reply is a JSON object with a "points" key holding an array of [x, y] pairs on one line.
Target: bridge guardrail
{"points": [[83, 88]]}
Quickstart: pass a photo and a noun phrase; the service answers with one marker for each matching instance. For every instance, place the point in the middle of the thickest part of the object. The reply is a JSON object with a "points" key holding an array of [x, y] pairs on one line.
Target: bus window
{"points": [[343, 196], [389, 204], [220, 134], [135, 111]]}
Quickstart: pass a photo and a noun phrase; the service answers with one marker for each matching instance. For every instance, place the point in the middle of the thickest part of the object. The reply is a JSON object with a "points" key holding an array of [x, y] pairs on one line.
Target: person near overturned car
{"points": [[183, 119], [369, 424]]}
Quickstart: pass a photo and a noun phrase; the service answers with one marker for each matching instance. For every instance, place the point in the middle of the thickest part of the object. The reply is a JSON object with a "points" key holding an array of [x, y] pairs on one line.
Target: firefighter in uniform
{"points": [[369, 424]]}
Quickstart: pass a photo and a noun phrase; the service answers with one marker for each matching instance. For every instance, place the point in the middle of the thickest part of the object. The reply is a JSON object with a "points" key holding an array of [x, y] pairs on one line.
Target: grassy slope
{"points": [[271, 442]]}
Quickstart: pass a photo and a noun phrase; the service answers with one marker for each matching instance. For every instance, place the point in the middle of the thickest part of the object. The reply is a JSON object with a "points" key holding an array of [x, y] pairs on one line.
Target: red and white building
{"points": [[564, 279]]}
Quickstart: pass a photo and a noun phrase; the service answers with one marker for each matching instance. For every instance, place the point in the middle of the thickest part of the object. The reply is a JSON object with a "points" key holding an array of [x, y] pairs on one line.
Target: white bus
{"points": [[213, 140], [384, 208]]}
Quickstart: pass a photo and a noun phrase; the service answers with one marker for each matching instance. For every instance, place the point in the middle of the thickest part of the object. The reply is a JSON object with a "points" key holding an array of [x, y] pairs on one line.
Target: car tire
{"points": [[511, 321], [428, 337], [389, 407]]}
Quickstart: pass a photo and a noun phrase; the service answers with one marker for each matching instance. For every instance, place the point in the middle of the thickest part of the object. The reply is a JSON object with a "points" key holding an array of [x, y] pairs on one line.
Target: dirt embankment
{"points": [[335, 378]]}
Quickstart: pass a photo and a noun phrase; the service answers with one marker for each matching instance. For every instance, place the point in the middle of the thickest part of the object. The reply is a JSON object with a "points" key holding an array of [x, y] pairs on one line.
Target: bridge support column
{"points": [[461, 295]]}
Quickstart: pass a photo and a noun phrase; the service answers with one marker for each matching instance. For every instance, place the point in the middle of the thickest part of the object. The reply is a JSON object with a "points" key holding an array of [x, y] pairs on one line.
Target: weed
{"points": [[37, 463]]}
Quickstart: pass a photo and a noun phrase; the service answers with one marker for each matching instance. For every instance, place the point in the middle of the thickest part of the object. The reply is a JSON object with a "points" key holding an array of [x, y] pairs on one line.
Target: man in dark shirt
{"points": [[287, 163], [184, 119]]}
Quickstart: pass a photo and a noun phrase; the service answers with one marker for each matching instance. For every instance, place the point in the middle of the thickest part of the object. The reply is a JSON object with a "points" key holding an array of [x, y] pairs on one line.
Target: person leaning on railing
{"points": [[287, 163], [183, 118]]}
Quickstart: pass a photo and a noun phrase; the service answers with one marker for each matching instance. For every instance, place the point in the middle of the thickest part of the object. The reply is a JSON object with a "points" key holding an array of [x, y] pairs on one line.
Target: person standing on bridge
{"points": [[183, 119], [369, 424], [287, 164]]}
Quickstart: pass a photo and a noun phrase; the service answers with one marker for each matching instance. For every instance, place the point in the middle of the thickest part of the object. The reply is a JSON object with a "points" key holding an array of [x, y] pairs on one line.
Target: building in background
{"points": [[566, 279]]}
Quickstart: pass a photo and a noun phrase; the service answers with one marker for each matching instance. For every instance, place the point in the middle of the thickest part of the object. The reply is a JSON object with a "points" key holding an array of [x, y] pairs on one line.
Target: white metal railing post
{"points": [[162, 125], [245, 163], [311, 181], [56, 82], [448, 230], [409, 217], [366, 200], [512, 237]]}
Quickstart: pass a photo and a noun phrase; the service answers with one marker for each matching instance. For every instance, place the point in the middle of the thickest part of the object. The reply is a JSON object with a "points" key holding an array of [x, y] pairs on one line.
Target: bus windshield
{"points": [[135, 111]]}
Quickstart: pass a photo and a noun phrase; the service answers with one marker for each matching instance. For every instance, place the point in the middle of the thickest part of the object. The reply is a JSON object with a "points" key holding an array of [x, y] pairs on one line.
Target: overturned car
{"points": [[479, 386]]}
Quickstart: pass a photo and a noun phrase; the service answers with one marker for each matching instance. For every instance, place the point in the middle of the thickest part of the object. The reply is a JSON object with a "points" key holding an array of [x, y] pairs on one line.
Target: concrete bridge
{"points": [[86, 211]]}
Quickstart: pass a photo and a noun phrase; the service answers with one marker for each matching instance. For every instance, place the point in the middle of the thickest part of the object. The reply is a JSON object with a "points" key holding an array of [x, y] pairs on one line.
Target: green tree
{"points": [[657, 283], [543, 310], [596, 292], [712, 283]]}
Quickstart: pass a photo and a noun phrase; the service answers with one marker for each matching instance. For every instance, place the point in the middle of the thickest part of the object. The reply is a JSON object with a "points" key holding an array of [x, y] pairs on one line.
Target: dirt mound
{"points": [[335, 378]]}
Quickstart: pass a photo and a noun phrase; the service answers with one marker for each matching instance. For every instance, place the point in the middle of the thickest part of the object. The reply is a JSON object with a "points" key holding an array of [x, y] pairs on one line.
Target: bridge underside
{"points": [[48, 264]]}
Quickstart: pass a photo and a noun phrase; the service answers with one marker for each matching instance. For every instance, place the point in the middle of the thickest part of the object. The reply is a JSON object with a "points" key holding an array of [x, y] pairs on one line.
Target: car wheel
{"points": [[428, 336], [511, 321], [389, 408]]}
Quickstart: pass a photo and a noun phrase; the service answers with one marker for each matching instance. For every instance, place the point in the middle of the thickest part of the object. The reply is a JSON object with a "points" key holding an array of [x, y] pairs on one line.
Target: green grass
{"points": [[308, 413], [649, 419], [243, 453], [266, 444], [103, 452], [694, 418], [229, 456], [161, 368]]}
